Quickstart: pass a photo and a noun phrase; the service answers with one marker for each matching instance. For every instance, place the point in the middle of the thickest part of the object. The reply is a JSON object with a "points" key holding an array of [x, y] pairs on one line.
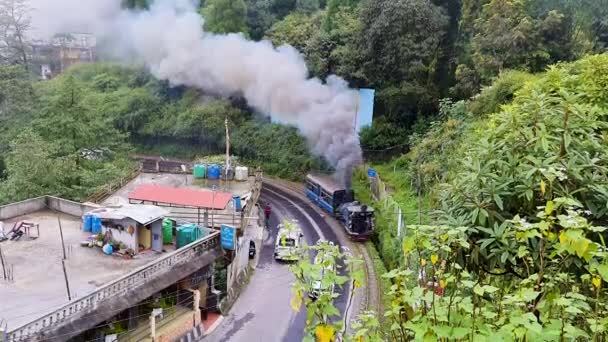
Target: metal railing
{"points": [[119, 287]]}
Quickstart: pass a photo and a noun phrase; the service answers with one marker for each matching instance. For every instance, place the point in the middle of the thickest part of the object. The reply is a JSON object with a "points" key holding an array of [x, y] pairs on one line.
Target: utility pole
{"points": [[227, 147], [65, 273], [2, 261]]}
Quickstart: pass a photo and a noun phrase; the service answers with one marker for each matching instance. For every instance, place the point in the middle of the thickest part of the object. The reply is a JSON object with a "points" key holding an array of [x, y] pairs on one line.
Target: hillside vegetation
{"points": [[517, 227]]}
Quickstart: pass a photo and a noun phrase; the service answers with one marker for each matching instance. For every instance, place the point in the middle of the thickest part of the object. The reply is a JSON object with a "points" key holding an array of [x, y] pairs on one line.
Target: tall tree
{"points": [[31, 168], [135, 4], [225, 16], [307, 6], [259, 18], [402, 39], [281, 8], [15, 21]]}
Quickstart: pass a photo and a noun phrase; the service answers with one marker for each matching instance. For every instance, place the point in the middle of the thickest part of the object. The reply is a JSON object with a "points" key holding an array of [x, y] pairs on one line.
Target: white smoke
{"points": [[170, 40]]}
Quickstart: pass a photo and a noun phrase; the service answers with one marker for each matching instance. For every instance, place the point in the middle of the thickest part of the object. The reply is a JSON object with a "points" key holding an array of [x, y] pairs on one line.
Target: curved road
{"points": [[262, 311]]}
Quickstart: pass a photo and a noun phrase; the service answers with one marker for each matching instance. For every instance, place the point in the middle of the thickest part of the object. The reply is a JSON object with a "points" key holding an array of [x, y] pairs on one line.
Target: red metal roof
{"points": [[181, 196]]}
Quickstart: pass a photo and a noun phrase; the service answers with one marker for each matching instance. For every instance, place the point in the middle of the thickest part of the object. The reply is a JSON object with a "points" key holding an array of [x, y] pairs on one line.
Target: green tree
{"points": [[17, 101], [259, 18], [68, 120], [135, 4], [281, 8], [401, 40], [295, 29], [382, 135], [32, 169], [225, 16], [307, 6]]}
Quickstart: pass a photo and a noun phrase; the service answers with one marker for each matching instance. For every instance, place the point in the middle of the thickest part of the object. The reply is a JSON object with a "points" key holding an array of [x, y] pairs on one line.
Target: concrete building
{"points": [[60, 290], [52, 57], [138, 227]]}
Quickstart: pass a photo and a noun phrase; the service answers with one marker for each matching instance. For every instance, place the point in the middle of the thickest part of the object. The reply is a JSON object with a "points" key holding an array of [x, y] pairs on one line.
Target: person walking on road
{"points": [[267, 211]]}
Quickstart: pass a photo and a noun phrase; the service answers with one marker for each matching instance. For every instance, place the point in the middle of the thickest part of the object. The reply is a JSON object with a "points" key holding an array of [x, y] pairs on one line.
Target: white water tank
{"points": [[242, 173]]}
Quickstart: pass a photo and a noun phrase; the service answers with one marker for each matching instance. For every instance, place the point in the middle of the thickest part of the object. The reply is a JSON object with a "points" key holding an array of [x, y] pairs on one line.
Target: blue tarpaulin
{"points": [[365, 112]]}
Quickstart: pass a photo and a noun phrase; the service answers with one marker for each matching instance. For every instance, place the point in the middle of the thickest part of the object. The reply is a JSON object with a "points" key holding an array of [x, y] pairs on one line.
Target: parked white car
{"points": [[289, 239], [317, 286]]}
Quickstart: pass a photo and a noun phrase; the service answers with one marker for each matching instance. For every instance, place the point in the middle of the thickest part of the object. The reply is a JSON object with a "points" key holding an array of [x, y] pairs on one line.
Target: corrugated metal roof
{"points": [[143, 214], [181, 196]]}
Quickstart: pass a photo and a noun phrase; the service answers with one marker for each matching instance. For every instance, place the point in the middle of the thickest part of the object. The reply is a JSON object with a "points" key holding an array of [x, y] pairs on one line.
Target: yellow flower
{"points": [[434, 259], [324, 333], [562, 237], [597, 282], [542, 187], [443, 283], [422, 262]]}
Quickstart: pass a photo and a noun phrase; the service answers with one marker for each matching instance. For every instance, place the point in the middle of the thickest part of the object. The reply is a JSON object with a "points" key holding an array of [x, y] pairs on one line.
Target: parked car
{"points": [[288, 242], [321, 286]]}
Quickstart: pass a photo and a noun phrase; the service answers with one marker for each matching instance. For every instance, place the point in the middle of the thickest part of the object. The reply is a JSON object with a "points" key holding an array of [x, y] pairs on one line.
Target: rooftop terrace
{"points": [[38, 284]]}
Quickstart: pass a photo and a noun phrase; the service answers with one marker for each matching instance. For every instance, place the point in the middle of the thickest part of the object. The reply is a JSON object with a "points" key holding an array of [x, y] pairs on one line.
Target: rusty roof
{"points": [[181, 196]]}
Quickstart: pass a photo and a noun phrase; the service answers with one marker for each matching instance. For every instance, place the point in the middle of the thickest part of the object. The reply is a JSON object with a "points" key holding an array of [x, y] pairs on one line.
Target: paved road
{"points": [[262, 312]]}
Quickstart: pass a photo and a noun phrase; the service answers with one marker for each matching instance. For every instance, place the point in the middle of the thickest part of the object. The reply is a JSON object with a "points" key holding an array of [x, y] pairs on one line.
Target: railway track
{"points": [[371, 299]]}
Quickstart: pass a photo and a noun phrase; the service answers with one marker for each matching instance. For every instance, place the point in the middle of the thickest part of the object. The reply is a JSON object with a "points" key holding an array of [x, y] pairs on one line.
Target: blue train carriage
{"points": [[358, 220], [327, 193]]}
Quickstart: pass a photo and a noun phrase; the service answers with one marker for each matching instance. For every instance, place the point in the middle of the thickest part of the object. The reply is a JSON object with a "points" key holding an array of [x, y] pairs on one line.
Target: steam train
{"points": [[357, 218]]}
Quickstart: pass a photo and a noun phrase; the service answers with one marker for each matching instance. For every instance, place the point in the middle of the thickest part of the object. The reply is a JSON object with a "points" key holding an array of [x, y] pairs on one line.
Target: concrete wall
{"points": [[68, 207], [179, 327], [22, 208], [124, 236], [41, 203]]}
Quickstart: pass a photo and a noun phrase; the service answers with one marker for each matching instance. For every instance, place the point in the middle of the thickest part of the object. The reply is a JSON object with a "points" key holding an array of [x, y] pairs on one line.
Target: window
{"points": [[326, 197], [311, 186]]}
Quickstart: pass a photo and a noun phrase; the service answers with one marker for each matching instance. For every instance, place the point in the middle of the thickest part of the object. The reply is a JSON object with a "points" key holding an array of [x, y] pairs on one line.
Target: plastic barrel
{"points": [[214, 171], [167, 231], [95, 224], [86, 223], [200, 171]]}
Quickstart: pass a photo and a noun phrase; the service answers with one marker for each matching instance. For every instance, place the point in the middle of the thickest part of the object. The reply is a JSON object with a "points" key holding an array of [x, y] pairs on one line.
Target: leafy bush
{"points": [[500, 92]]}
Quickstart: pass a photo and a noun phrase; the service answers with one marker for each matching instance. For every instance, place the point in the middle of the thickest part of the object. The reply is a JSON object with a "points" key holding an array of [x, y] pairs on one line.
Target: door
{"points": [[144, 236], [157, 238]]}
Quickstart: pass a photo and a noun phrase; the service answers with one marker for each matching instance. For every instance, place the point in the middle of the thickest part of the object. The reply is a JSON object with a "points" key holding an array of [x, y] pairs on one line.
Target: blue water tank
{"points": [[95, 225], [214, 171], [87, 223]]}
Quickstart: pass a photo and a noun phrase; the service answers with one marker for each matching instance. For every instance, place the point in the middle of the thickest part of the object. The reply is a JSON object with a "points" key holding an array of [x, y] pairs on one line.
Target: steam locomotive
{"points": [[357, 218]]}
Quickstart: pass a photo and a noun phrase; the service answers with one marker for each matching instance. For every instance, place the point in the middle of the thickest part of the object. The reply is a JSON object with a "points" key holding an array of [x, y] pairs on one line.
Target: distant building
{"points": [[52, 57]]}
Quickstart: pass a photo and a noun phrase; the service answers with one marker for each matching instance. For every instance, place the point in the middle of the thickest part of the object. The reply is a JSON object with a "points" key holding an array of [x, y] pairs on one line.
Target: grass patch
{"points": [[399, 185]]}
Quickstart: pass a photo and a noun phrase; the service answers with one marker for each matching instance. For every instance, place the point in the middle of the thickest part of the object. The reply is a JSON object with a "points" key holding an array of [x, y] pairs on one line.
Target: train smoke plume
{"points": [[170, 40]]}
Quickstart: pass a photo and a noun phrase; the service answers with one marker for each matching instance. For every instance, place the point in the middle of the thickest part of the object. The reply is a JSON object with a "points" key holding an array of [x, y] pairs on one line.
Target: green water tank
{"points": [[187, 234], [200, 171], [167, 231]]}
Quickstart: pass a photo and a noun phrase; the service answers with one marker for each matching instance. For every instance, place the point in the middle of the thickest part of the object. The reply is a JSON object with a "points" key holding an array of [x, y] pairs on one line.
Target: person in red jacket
{"points": [[267, 211]]}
